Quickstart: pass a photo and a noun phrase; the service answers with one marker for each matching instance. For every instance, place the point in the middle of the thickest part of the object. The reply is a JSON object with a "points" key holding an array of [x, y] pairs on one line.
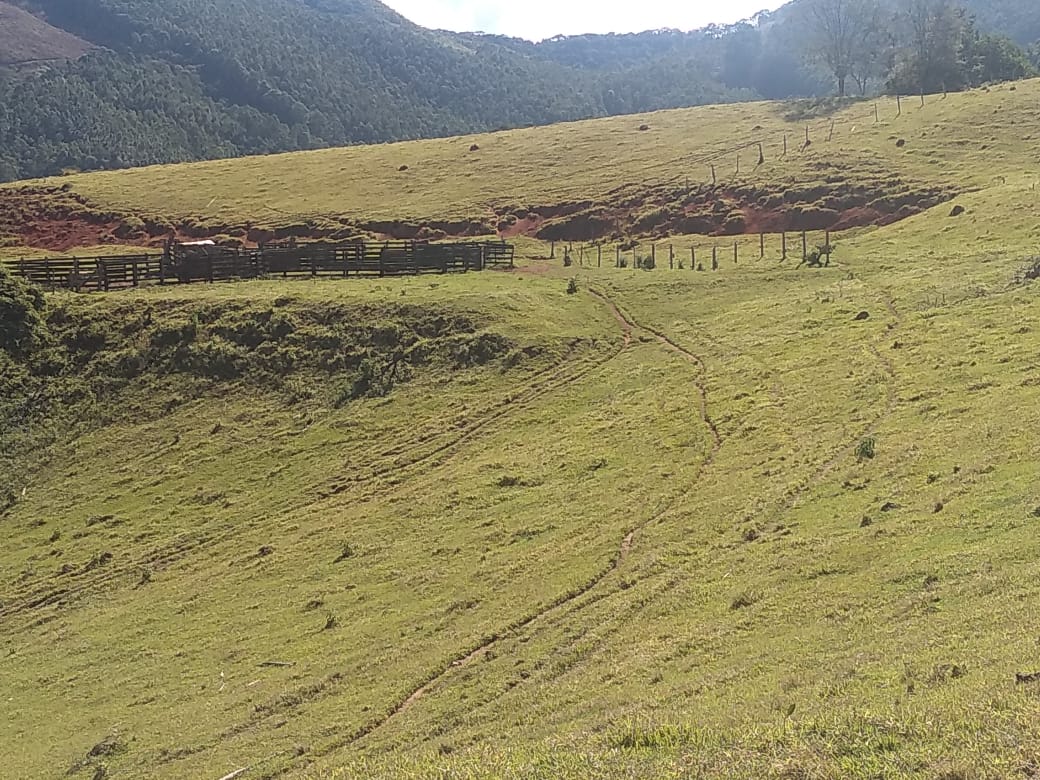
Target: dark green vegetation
{"points": [[70, 364], [185, 80]]}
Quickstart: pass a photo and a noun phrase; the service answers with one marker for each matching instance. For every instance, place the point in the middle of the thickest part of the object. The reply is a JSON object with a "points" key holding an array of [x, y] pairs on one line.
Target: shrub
{"points": [[572, 286], [217, 359], [866, 450], [480, 349], [23, 326], [744, 600], [370, 381]]}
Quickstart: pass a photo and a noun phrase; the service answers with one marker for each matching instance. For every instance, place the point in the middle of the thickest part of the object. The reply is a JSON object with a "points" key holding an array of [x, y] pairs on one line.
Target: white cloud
{"points": [[538, 19]]}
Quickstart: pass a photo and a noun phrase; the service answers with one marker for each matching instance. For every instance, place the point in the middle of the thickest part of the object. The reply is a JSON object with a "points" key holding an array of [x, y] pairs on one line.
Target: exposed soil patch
{"points": [[832, 204], [57, 219]]}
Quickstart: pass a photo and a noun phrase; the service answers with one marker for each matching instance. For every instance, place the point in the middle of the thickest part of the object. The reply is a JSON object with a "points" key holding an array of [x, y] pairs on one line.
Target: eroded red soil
{"points": [[57, 219]]}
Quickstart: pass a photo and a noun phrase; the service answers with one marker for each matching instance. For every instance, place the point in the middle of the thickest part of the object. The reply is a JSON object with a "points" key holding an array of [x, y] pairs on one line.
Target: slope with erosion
{"points": [[809, 607], [677, 524], [602, 179]]}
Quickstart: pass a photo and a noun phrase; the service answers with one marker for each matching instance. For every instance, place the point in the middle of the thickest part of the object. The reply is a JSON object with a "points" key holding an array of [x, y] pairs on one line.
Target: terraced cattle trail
{"points": [[628, 326]]}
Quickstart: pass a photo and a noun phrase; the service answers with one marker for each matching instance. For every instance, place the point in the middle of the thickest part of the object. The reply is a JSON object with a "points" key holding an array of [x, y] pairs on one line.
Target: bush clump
{"points": [[23, 322]]}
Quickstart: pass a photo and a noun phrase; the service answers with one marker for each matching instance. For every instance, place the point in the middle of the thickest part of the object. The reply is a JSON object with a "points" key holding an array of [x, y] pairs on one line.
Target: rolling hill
{"points": [[763, 521], [182, 80], [26, 40]]}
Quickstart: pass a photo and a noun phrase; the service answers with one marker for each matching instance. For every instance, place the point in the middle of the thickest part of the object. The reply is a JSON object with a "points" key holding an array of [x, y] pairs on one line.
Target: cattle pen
{"points": [[186, 263]]}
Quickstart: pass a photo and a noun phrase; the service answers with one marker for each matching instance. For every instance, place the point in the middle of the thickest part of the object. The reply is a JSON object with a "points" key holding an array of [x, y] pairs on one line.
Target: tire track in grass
{"points": [[624, 549], [629, 326], [553, 379], [686, 354], [870, 429], [614, 626]]}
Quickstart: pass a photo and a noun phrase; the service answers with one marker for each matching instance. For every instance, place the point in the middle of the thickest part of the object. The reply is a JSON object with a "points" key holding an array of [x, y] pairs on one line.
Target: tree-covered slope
{"points": [[185, 79], [182, 80]]}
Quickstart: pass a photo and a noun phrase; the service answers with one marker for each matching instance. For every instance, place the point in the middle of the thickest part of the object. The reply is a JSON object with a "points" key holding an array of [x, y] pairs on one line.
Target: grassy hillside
{"points": [[28, 40], [602, 179], [184, 80], [763, 522]]}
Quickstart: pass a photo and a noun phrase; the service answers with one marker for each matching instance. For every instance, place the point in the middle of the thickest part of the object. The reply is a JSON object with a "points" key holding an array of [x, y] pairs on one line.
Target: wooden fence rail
{"points": [[188, 263]]}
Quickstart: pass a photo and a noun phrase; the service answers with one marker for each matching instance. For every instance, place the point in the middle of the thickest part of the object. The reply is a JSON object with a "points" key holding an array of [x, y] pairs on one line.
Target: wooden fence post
{"points": [[617, 262], [714, 258], [785, 147], [761, 245], [671, 256], [734, 253], [713, 179], [899, 106], [805, 246], [599, 256], [653, 255], [552, 250], [783, 245], [877, 116], [693, 257]]}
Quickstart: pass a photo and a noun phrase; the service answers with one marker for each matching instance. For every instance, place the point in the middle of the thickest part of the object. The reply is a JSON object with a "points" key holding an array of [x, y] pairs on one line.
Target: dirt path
{"points": [[686, 354], [628, 325]]}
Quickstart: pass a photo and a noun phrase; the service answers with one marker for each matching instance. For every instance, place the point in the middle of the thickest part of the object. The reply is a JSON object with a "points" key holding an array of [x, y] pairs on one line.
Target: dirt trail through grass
{"points": [[628, 326], [677, 577]]}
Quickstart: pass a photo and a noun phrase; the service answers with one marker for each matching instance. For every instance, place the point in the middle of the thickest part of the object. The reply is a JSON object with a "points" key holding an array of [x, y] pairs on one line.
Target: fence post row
{"points": [[209, 263]]}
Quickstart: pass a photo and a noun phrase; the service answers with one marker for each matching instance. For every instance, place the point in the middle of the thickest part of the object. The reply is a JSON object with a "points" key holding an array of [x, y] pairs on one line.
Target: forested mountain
{"points": [[132, 82], [1017, 19]]}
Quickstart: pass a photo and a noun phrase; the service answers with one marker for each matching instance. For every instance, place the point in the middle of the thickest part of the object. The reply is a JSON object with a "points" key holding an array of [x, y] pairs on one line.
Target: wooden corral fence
{"points": [[187, 263]]}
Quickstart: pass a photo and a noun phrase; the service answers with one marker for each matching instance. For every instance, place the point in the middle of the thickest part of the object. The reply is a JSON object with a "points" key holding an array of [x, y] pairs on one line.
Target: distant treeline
{"points": [[178, 80]]}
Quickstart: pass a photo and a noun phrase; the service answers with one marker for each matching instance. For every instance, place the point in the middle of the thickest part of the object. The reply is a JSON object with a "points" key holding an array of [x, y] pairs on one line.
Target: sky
{"points": [[539, 19]]}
